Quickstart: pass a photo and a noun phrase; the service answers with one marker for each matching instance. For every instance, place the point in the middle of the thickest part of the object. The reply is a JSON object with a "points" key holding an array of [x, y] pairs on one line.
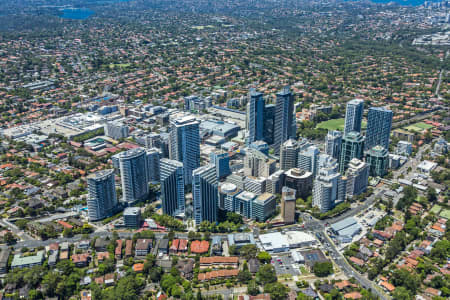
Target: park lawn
{"points": [[418, 127], [303, 270], [436, 209], [445, 214], [112, 66], [335, 124]]}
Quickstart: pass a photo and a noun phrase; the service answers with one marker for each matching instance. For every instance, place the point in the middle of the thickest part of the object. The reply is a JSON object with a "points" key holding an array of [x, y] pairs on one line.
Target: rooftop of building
{"points": [[354, 136], [378, 151], [355, 101], [101, 174], [298, 173], [131, 153], [246, 196], [264, 197], [228, 188], [131, 211], [183, 121]]}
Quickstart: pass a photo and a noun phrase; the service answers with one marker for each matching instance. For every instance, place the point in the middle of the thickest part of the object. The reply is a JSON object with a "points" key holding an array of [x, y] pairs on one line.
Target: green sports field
{"points": [[418, 127], [335, 124], [436, 209]]}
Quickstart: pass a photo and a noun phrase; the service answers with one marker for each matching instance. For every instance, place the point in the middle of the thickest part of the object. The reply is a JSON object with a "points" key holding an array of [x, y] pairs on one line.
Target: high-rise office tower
{"points": [[379, 122], [269, 123], [133, 174], [288, 205], [299, 180], [378, 160], [357, 177], [255, 117], [227, 196], [153, 171], [205, 194], [327, 189], [308, 159], [116, 130], [172, 187], [244, 203], [260, 146], [333, 142], [102, 199], [353, 116], [327, 161], [258, 164], [289, 154], [221, 160], [284, 118], [184, 145], [352, 147]]}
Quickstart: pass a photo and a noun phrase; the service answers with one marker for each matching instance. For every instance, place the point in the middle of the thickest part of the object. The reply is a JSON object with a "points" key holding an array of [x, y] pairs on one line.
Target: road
{"points": [[318, 227], [32, 243], [15, 230]]}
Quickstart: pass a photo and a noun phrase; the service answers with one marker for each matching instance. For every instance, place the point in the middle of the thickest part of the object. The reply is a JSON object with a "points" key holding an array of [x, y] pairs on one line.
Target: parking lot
{"points": [[285, 265]]}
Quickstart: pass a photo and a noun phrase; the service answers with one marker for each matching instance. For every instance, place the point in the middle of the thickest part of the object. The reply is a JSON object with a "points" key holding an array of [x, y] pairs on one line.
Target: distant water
{"points": [[405, 2], [76, 13]]}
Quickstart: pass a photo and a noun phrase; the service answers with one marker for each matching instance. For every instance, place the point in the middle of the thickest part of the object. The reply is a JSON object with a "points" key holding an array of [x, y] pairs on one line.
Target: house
{"points": [[128, 248], [199, 247], [357, 261], [174, 247], [81, 260], [102, 256], [344, 284], [163, 246], [20, 262], [353, 295], [4, 257], [253, 265], [143, 247], [85, 295], [138, 268], [326, 288], [53, 258], [178, 246], [101, 245], [218, 274], [118, 250], [432, 292], [186, 268], [257, 297], [109, 279], [216, 245], [381, 235], [216, 262], [84, 245], [387, 286]]}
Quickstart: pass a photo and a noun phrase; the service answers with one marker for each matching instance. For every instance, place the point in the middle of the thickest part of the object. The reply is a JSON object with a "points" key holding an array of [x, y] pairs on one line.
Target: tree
{"points": [[266, 274], [244, 275], [9, 238], [431, 194], [248, 251], [264, 257], [252, 288], [401, 293], [404, 278], [441, 250], [276, 290], [323, 269]]}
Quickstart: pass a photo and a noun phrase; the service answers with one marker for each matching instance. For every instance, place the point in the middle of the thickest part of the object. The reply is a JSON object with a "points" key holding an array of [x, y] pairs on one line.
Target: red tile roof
{"points": [[219, 260], [218, 274], [199, 246]]}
